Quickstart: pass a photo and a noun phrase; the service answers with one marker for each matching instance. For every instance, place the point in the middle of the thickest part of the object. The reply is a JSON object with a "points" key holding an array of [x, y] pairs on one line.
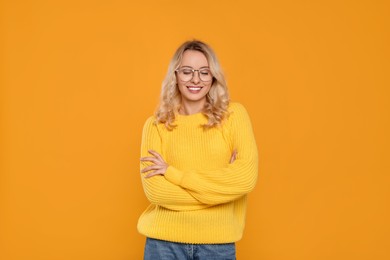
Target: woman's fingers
{"points": [[234, 156], [150, 159], [156, 154], [157, 159], [158, 167], [154, 174], [152, 167]]}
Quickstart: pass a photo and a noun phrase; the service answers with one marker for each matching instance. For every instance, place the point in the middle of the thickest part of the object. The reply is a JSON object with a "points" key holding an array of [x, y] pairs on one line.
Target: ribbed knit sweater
{"points": [[202, 198]]}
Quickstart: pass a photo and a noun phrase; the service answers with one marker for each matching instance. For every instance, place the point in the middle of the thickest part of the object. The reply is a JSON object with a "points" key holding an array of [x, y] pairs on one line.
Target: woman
{"points": [[199, 161]]}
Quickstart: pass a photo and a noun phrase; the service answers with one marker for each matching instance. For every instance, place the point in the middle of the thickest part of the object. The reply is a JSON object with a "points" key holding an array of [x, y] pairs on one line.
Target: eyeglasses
{"points": [[187, 74]]}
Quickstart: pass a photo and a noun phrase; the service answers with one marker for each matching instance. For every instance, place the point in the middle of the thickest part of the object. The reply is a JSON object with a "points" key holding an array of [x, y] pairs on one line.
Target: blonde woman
{"points": [[198, 162]]}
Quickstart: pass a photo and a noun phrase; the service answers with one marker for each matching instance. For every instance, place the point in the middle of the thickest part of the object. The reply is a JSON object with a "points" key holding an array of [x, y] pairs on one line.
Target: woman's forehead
{"points": [[194, 58]]}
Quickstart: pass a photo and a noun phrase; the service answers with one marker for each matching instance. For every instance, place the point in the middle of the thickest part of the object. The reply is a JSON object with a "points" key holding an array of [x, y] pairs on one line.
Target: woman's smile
{"points": [[194, 89]]}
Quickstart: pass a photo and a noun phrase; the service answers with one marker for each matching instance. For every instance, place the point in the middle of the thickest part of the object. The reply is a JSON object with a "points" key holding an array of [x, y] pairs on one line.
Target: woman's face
{"points": [[194, 89]]}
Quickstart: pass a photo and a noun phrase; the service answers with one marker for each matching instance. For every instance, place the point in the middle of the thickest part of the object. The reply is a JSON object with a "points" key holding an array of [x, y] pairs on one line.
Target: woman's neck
{"points": [[190, 108]]}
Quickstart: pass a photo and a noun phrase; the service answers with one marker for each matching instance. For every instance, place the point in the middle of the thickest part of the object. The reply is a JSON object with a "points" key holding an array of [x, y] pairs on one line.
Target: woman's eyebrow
{"points": [[203, 67]]}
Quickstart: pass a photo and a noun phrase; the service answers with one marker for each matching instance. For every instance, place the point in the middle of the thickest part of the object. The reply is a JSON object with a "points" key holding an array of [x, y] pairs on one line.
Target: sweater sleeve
{"points": [[230, 183], [157, 189]]}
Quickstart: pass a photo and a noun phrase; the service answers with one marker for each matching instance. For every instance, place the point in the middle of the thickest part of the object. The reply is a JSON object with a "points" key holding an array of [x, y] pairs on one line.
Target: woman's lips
{"points": [[194, 89]]}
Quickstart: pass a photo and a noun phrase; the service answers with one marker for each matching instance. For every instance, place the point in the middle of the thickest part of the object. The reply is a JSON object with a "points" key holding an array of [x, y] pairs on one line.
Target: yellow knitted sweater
{"points": [[202, 197]]}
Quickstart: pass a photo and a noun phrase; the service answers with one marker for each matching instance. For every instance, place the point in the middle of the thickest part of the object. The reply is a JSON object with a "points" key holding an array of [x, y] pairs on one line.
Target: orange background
{"points": [[79, 78]]}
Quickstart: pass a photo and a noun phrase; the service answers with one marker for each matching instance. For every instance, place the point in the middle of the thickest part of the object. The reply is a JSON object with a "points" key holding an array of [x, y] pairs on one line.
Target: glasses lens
{"points": [[205, 75], [186, 74]]}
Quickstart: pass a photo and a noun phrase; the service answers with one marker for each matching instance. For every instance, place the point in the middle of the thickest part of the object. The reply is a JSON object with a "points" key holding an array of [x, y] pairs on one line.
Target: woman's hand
{"points": [[234, 156], [159, 166]]}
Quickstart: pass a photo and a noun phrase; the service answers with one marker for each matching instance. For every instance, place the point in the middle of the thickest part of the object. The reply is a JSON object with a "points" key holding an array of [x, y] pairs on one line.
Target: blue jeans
{"points": [[165, 250]]}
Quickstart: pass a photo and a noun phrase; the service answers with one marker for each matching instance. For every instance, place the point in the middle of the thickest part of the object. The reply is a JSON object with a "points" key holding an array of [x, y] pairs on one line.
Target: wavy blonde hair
{"points": [[217, 100]]}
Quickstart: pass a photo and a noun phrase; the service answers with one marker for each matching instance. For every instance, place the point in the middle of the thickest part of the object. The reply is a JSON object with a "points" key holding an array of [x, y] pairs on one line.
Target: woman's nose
{"points": [[195, 78]]}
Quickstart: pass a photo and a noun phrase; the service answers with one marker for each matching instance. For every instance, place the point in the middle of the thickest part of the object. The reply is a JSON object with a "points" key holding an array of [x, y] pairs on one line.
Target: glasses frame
{"points": [[193, 73]]}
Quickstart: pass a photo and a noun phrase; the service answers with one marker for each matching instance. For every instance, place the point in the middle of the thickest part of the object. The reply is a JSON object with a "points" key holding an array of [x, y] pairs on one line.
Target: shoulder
{"points": [[151, 128], [237, 109], [238, 116], [150, 123]]}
